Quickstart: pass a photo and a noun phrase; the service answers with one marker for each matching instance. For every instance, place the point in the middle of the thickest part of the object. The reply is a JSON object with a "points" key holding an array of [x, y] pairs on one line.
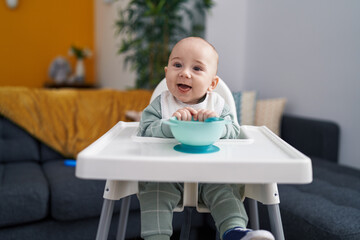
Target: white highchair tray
{"points": [[259, 156]]}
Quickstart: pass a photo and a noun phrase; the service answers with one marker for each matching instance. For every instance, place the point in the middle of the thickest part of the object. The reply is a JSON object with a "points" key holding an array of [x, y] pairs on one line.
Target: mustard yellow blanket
{"points": [[68, 120]]}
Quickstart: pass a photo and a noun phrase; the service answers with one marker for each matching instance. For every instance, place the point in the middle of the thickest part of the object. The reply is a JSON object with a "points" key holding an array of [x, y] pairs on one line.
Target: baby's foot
{"points": [[238, 233]]}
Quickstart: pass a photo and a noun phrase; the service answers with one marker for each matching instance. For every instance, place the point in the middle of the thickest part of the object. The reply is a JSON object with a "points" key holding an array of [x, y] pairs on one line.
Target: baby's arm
{"points": [[151, 123], [231, 130]]}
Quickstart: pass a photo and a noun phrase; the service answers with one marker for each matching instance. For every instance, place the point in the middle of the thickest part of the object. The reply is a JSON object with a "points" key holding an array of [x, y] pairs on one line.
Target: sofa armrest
{"points": [[313, 137]]}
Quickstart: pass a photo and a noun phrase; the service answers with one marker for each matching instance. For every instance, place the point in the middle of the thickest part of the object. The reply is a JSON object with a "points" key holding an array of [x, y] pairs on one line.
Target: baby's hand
{"points": [[204, 114], [185, 114]]}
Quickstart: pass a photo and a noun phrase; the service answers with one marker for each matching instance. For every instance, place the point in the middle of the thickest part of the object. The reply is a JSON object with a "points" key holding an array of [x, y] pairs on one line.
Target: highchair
{"points": [[264, 193]]}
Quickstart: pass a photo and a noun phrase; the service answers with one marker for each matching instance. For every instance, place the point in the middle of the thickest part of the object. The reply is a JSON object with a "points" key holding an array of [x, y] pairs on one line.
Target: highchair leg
{"points": [[105, 219], [115, 190], [275, 221], [124, 213], [253, 214], [268, 194]]}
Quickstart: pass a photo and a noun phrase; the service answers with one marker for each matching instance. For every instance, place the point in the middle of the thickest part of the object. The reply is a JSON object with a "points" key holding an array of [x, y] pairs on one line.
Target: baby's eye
{"points": [[197, 68], [177, 65]]}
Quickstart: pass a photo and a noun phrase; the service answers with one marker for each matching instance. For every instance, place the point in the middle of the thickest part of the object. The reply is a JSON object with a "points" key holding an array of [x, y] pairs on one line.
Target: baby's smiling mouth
{"points": [[184, 87]]}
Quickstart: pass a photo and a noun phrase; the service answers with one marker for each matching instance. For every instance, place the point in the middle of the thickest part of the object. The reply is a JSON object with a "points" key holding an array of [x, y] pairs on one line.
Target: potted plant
{"points": [[151, 28], [80, 54]]}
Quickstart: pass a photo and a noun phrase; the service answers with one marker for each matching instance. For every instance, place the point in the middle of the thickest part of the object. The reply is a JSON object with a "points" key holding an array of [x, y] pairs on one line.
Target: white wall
{"points": [[307, 51], [225, 28], [110, 71]]}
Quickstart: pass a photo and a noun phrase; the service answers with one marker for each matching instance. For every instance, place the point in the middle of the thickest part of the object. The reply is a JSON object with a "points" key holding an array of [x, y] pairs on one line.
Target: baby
{"points": [[191, 78]]}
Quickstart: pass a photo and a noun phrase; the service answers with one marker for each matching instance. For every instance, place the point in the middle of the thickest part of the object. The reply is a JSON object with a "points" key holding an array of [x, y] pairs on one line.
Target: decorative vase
{"points": [[80, 71]]}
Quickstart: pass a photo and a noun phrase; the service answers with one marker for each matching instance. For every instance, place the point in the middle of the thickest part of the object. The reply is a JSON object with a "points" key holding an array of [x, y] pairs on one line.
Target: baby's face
{"points": [[191, 70]]}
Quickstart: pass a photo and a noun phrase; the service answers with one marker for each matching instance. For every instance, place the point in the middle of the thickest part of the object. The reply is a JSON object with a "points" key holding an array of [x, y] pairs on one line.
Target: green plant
{"points": [[151, 28], [79, 53]]}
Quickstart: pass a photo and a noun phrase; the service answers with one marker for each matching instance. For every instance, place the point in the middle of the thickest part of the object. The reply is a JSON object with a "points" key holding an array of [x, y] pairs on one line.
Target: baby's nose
{"points": [[185, 74]]}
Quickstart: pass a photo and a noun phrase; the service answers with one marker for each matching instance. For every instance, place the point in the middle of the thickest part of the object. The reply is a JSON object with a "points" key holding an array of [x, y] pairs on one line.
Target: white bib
{"points": [[169, 104]]}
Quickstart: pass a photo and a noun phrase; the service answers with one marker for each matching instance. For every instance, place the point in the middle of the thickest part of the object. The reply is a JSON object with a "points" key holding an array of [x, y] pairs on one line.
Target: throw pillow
{"points": [[245, 107], [269, 113]]}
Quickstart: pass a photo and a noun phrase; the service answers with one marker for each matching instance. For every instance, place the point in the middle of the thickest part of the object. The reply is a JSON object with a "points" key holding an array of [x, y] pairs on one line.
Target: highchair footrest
{"points": [[190, 198]]}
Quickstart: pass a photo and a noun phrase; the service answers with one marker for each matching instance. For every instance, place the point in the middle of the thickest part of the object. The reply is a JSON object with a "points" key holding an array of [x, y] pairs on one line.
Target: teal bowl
{"points": [[196, 133]]}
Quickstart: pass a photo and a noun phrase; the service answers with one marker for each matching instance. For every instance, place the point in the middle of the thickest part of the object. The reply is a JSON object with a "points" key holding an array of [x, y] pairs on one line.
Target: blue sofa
{"points": [[42, 199], [329, 207]]}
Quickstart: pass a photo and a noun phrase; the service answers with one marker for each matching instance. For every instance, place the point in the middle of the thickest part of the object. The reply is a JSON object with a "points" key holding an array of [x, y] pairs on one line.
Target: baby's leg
{"points": [[225, 206], [157, 202]]}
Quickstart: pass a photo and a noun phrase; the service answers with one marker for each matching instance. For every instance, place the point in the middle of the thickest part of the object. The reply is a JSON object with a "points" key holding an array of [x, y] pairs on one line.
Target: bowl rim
{"points": [[192, 122]]}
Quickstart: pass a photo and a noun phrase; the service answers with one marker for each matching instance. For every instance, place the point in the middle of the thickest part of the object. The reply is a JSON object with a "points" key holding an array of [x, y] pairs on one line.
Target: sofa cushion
{"points": [[51, 229], [245, 103], [73, 198], [328, 208], [317, 138], [48, 154], [24, 193], [16, 144], [269, 113]]}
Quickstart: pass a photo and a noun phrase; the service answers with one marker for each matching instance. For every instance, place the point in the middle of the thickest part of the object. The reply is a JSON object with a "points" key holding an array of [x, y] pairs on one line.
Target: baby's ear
{"points": [[165, 69], [213, 84]]}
